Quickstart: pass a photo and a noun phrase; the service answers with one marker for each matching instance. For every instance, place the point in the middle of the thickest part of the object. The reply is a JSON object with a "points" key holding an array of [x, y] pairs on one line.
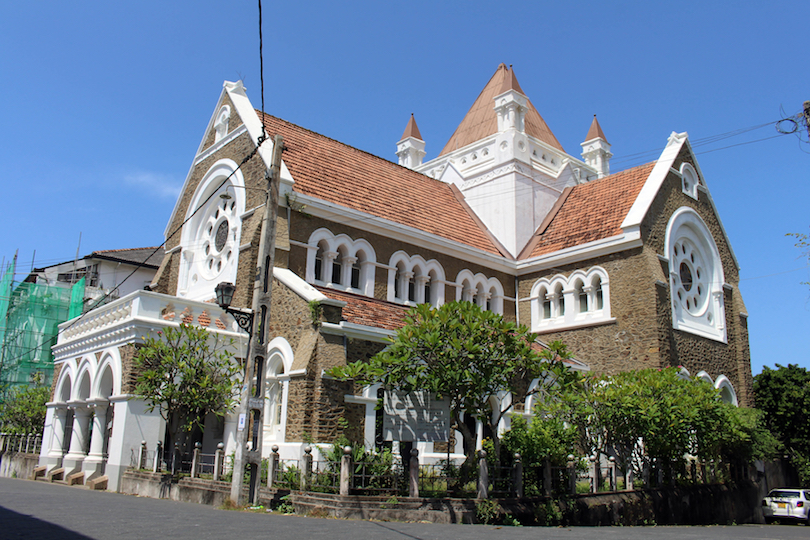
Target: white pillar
{"points": [[81, 425], [94, 463], [53, 458]]}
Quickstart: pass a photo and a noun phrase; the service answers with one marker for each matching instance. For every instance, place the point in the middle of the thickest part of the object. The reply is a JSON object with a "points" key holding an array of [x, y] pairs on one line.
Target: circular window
{"points": [[215, 238], [690, 281], [222, 235]]}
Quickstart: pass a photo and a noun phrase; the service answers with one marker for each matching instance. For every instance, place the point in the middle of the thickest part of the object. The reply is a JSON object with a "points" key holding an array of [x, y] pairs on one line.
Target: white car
{"points": [[787, 504]]}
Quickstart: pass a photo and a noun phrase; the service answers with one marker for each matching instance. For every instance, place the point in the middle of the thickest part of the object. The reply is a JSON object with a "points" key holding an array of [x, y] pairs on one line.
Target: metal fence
{"points": [[26, 444]]}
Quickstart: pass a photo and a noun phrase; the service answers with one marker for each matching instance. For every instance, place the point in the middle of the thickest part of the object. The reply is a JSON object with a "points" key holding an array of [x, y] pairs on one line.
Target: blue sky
{"points": [[105, 103]]}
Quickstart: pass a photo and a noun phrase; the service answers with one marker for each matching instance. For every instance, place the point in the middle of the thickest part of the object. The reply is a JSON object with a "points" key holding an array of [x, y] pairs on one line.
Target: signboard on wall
{"points": [[415, 416]]}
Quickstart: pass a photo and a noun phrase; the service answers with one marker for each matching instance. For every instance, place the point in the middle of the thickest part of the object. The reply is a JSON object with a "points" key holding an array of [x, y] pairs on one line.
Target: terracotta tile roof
{"points": [[369, 311], [592, 211], [411, 130], [335, 172], [481, 120], [596, 131]]}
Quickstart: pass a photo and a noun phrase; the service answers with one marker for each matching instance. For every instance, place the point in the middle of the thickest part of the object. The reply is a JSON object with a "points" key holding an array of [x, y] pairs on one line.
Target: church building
{"points": [[631, 269]]}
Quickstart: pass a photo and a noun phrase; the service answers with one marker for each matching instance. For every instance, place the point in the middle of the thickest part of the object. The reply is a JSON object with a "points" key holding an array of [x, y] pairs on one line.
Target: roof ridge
{"points": [[123, 249], [375, 156]]}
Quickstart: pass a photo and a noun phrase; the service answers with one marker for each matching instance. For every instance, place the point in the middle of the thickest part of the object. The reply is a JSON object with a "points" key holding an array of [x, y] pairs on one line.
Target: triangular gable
{"points": [[677, 143], [235, 91]]}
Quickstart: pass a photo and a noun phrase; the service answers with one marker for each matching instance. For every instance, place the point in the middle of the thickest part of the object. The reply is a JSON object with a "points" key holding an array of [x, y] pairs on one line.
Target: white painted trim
{"points": [[359, 400], [389, 229], [654, 182], [304, 289], [357, 331], [629, 240], [219, 144]]}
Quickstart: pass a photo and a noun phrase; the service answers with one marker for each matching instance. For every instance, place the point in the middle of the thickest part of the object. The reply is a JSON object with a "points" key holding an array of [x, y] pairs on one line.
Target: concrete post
{"points": [[142, 456], [219, 457], [413, 474], [572, 475], [158, 457], [195, 460], [547, 478], [593, 473], [628, 476], [517, 478], [346, 470], [272, 466], [306, 473], [612, 473], [483, 475]]}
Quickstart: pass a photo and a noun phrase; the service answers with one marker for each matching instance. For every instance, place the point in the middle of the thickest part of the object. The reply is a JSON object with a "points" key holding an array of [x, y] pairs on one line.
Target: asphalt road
{"points": [[40, 510]]}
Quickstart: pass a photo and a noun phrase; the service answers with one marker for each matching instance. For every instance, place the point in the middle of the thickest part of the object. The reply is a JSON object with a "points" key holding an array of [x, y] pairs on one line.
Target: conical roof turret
{"points": [[481, 121]]}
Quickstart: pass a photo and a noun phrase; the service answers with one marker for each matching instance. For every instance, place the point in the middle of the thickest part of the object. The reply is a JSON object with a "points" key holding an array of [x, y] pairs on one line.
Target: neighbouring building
{"points": [[632, 269], [51, 295]]}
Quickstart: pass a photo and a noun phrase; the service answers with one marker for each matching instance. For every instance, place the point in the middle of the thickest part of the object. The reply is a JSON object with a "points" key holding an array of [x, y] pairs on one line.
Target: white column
{"points": [[93, 464], [55, 444], [81, 424]]}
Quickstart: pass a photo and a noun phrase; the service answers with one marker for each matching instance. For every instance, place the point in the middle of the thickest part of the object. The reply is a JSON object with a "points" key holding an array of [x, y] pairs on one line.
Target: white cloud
{"points": [[160, 185]]}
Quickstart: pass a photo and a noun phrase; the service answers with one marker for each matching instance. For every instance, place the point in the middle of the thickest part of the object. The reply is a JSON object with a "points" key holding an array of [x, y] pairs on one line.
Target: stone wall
{"points": [[642, 335]]}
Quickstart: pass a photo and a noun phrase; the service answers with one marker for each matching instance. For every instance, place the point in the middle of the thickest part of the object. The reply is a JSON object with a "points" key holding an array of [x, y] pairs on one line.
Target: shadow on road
{"points": [[14, 525]]}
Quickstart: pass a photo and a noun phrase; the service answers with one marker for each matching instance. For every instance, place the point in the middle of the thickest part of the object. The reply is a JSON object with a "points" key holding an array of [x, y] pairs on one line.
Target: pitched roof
{"points": [[595, 132], [368, 311], [481, 120], [149, 256], [592, 211], [335, 172], [411, 130]]}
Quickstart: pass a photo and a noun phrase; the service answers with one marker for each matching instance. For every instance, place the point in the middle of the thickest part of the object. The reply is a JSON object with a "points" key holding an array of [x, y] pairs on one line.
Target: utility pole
{"points": [[251, 405]]}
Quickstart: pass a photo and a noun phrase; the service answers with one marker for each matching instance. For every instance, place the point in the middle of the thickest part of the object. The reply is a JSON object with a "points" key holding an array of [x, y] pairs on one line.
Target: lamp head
{"points": [[224, 292]]}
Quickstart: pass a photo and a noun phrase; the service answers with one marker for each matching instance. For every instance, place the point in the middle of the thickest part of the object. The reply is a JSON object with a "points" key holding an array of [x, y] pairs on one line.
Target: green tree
{"points": [[467, 355], [185, 373], [23, 410], [783, 394], [650, 416]]}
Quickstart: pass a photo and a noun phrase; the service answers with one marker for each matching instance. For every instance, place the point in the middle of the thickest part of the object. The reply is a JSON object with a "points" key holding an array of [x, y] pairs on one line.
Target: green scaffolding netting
{"points": [[32, 317]]}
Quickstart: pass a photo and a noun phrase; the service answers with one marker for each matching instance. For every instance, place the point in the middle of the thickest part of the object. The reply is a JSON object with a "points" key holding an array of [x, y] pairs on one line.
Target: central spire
{"points": [[481, 121]]}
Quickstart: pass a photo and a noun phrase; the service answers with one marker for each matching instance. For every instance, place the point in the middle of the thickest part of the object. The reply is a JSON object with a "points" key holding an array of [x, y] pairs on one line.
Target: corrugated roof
{"points": [[592, 211], [481, 121], [149, 256], [335, 172]]}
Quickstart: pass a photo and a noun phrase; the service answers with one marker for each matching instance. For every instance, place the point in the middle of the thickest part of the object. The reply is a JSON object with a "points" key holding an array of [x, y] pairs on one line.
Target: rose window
{"points": [[217, 238], [689, 278]]}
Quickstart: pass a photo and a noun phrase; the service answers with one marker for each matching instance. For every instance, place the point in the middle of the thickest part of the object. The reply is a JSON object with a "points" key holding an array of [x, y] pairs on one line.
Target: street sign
{"points": [[415, 416]]}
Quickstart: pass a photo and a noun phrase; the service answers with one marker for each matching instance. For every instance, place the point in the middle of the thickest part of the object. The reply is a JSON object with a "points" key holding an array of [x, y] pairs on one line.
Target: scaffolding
{"points": [[30, 314]]}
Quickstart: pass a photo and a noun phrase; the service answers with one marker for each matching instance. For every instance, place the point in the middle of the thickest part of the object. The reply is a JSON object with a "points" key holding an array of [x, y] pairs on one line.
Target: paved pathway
{"points": [[40, 510]]}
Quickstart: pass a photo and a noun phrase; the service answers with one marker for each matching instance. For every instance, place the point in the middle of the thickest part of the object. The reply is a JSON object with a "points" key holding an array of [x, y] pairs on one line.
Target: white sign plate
{"points": [[417, 416]]}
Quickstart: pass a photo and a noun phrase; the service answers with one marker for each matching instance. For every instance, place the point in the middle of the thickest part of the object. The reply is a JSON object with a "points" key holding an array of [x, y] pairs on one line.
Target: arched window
{"points": [[581, 296], [319, 258], [210, 238], [340, 262], [696, 276], [599, 300], [560, 302]]}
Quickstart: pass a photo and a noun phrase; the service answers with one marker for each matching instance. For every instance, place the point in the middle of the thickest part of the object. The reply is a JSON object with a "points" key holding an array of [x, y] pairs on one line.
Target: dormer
{"points": [[411, 147], [596, 149]]}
